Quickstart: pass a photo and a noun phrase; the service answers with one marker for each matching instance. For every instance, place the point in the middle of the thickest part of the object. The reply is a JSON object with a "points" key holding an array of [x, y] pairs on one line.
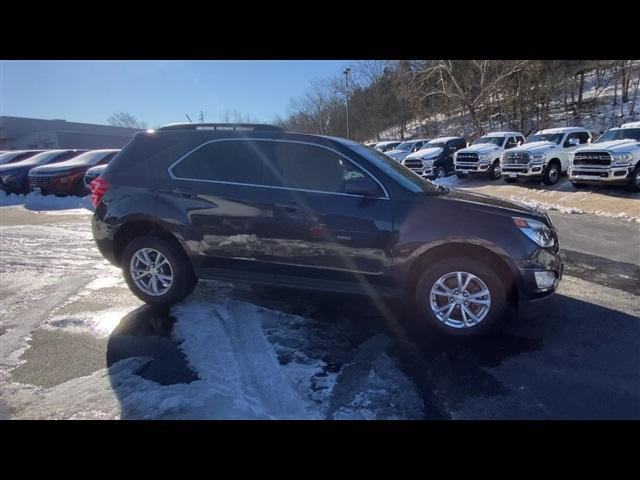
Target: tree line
{"points": [[464, 97]]}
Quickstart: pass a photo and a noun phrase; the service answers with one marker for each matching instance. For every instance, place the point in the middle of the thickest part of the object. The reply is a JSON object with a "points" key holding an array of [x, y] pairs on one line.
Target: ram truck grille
{"points": [[467, 157], [517, 158], [592, 159]]}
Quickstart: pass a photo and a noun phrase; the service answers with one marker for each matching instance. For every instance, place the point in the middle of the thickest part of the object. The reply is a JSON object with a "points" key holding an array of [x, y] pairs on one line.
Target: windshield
{"points": [[434, 145], [494, 140], [399, 173], [620, 134], [546, 137], [43, 158], [405, 146], [88, 158]]}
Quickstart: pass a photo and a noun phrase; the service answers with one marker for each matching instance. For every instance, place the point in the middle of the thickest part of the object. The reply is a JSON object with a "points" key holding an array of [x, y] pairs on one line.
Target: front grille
{"points": [[467, 157], [39, 181], [590, 173], [413, 164], [517, 158], [514, 169], [595, 159], [466, 167]]}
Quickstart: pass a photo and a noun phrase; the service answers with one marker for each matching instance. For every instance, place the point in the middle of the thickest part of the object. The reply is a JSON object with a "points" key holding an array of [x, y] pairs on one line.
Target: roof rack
{"points": [[222, 126]]}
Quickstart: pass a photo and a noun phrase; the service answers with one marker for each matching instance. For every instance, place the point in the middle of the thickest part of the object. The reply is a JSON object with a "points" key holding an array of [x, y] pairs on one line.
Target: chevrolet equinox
{"points": [[257, 204]]}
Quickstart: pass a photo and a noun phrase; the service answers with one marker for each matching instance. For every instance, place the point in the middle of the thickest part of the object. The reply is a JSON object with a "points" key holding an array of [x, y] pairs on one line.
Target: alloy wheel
{"points": [[460, 300], [151, 271]]}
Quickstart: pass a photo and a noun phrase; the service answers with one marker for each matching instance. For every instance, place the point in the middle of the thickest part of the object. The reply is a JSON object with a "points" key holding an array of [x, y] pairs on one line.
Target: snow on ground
{"points": [[48, 203], [249, 362], [614, 202]]}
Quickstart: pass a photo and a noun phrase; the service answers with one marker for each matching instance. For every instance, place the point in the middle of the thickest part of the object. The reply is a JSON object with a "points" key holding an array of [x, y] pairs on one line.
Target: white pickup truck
{"points": [[544, 156], [483, 156], [614, 159]]}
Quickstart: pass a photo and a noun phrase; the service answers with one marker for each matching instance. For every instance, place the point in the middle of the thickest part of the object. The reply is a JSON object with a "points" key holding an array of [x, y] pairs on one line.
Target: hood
{"points": [[97, 169], [426, 153], [396, 154], [612, 146], [18, 168], [59, 167], [481, 148], [534, 147], [491, 204]]}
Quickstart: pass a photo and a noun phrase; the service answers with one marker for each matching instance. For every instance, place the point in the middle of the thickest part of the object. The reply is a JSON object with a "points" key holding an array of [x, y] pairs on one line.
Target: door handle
{"points": [[289, 206]]}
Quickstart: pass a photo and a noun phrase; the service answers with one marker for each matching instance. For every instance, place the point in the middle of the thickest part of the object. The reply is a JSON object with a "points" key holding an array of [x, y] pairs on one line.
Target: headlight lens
{"points": [[427, 162], [485, 157], [537, 231], [9, 179], [538, 157], [622, 159]]}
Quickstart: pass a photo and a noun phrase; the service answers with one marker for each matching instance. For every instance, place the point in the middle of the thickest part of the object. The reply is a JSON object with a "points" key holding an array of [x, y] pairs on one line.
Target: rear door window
{"points": [[229, 161]]}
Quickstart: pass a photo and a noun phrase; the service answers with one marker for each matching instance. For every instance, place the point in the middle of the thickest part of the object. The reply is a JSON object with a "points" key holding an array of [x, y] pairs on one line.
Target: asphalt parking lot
{"points": [[77, 344]]}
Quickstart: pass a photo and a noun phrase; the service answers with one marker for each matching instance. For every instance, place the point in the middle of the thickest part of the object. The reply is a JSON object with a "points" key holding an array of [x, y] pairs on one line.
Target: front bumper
{"points": [[608, 175], [545, 264], [468, 167], [513, 170], [60, 184]]}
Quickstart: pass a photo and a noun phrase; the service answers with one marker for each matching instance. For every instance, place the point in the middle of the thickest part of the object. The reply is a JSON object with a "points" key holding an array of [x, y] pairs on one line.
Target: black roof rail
{"points": [[222, 126]]}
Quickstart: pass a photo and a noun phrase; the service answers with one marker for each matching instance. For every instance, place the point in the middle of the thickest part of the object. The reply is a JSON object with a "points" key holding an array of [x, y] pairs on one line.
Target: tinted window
{"points": [[621, 134], [583, 137], [511, 142], [237, 161], [309, 167], [107, 158]]}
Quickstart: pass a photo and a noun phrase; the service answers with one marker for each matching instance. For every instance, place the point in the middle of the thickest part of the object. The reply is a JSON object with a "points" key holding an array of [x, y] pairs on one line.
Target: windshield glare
{"points": [[42, 158], [493, 140], [405, 146], [434, 145], [620, 134], [399, 173], [546, 137]]}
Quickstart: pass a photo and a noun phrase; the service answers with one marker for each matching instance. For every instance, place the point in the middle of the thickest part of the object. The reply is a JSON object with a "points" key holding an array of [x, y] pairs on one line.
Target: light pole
{"points": [[346, 72]]}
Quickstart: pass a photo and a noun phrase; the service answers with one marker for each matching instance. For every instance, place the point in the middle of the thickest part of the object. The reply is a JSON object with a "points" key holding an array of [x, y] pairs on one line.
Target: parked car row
{"points": [[60, 172], [613, 159]]}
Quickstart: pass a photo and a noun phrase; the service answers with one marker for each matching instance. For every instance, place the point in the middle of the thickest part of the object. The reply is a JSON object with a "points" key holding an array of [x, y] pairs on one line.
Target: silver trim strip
{"points": [[172, 166]]}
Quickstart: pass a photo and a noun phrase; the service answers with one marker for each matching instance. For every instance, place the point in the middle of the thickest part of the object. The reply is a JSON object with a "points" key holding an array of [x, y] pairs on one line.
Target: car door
{"points": [[319, 230], [220, 188]]}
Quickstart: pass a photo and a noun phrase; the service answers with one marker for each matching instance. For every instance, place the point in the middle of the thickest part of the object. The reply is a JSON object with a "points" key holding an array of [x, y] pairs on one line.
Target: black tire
{"points": [[578, 185], [498, 310], [440, 172], [634, 181], [461, 175], [495, 172], [184, 280], [552, 173], [510, 180]]}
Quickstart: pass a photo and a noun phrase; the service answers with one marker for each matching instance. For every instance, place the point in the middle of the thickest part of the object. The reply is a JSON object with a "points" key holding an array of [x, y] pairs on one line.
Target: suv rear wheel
{"points": [[461, 296], [157, 272]]}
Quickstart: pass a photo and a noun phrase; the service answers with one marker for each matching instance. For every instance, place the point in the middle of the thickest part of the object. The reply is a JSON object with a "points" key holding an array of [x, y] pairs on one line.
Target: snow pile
{"points": [[48, 203], [251, 363], [573, 210]]}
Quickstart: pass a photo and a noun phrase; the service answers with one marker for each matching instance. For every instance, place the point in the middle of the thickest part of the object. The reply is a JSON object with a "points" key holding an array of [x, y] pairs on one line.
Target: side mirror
{"points": [[519, 142], [362, 186], [589, 140]]}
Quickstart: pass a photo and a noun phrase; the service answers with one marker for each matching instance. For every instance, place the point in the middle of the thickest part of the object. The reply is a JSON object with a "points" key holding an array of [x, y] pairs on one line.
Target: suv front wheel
{"points": [[461, 296], [156, 271]]}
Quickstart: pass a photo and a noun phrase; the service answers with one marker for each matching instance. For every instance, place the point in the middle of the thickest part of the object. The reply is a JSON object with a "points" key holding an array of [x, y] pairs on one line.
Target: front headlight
{"points": [[427, 162], [622, 159], [485, 157], [537, 231], [538, 157], [9, 180]]}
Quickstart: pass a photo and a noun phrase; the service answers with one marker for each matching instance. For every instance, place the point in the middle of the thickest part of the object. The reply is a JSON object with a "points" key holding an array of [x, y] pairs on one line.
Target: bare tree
{"points": [[124, 119]]}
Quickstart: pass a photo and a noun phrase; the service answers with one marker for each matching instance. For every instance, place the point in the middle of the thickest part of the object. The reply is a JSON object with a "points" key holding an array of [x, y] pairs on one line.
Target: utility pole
{"points": [[201, 116], [346, 72]]}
